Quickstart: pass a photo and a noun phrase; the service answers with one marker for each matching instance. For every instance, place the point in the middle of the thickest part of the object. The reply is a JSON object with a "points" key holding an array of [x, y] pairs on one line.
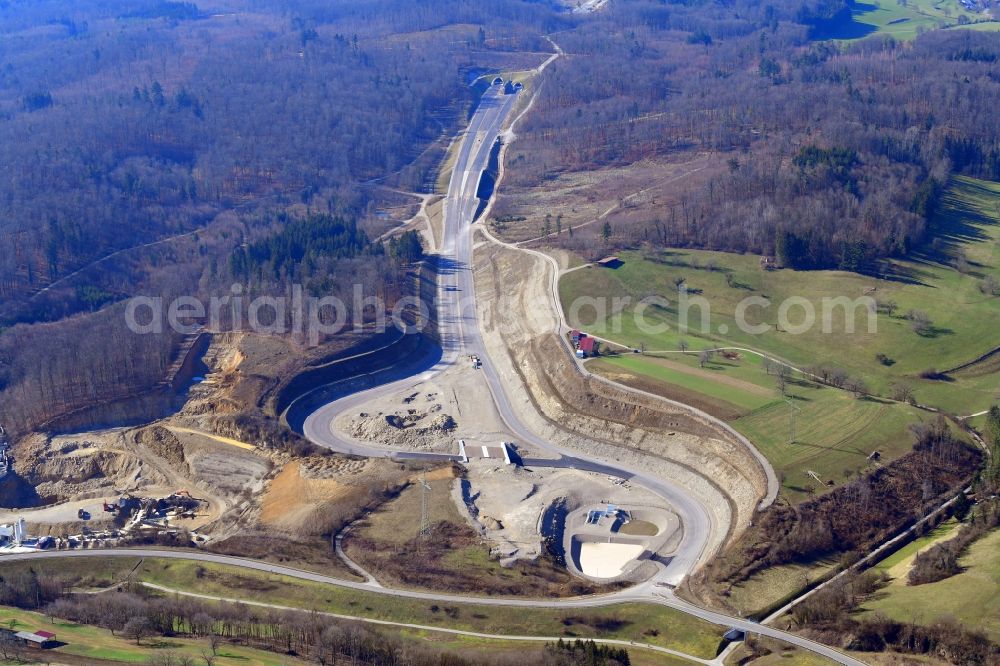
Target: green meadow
{"points": [[834, 432], [905, 19], [94, 643], [882, 349], [971, 597]]}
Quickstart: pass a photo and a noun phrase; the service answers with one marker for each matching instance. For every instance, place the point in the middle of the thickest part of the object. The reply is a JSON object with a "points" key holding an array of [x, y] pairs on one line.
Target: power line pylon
{"points": [[791, 420], [425, 525]]}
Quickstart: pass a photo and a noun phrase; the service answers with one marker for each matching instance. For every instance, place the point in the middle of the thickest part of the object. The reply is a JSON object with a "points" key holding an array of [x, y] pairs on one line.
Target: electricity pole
{"points": [[425, 526], [791, 420]]}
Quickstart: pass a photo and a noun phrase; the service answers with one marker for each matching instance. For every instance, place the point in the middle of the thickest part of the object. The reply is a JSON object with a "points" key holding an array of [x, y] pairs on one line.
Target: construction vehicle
{"points": [[110, 508]]}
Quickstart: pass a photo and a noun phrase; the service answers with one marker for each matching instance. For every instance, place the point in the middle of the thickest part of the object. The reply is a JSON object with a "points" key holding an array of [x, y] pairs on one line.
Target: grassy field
{"points": [[834, 436], [775, 584], [631, 621], [834, 432], [898, 564], [95, 643], [722, 380], [627, 621], [903, 20], [647, 623], [971, 597], [962, 316]]}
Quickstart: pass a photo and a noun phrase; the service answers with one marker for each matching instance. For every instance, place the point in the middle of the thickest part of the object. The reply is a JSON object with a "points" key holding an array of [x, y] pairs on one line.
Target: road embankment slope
{"points": [[562, 404]]}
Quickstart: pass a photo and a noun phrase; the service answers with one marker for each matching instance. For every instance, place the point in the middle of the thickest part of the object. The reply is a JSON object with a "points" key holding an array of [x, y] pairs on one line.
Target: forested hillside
{"points": [[834, 153], [160, 148], [166, 148]]}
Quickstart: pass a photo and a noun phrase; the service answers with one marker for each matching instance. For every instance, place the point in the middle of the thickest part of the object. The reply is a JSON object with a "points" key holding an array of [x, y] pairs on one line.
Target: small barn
{"points": [[587, 347], [37, 639], [610, 262]]}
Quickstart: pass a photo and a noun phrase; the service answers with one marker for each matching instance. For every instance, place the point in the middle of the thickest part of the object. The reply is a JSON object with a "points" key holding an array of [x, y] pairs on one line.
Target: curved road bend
{"points": [[644, 593], [460, 334], [444, 630]]}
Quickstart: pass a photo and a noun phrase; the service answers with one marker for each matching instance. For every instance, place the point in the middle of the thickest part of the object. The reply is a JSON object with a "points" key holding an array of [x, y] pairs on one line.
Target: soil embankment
{"points": [[578, 411], [315, 388], [133, 410], [392, 353]]}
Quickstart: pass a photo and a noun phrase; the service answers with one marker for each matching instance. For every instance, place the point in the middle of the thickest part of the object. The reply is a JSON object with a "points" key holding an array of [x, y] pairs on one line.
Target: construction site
{"points": [[176, 482], [284, 452]]}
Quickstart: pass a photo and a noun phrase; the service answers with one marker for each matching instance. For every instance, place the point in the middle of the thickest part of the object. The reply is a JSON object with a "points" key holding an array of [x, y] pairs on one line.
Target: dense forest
{"points": [[165, 148], [835, 154]]}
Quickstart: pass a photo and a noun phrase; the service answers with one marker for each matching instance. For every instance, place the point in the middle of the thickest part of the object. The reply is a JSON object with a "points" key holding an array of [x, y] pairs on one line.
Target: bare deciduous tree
{"points": [[903, 392], [137, 628], [781, 378], [920, 322]]}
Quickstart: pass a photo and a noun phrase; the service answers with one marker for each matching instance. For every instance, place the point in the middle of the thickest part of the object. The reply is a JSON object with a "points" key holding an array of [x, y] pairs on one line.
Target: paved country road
{"points": [[648, 592]]}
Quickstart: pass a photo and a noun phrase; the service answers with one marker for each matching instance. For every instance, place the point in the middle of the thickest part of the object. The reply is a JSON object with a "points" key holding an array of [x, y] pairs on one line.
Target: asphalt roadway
{"points": [[460, 336], [643, 593]]}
